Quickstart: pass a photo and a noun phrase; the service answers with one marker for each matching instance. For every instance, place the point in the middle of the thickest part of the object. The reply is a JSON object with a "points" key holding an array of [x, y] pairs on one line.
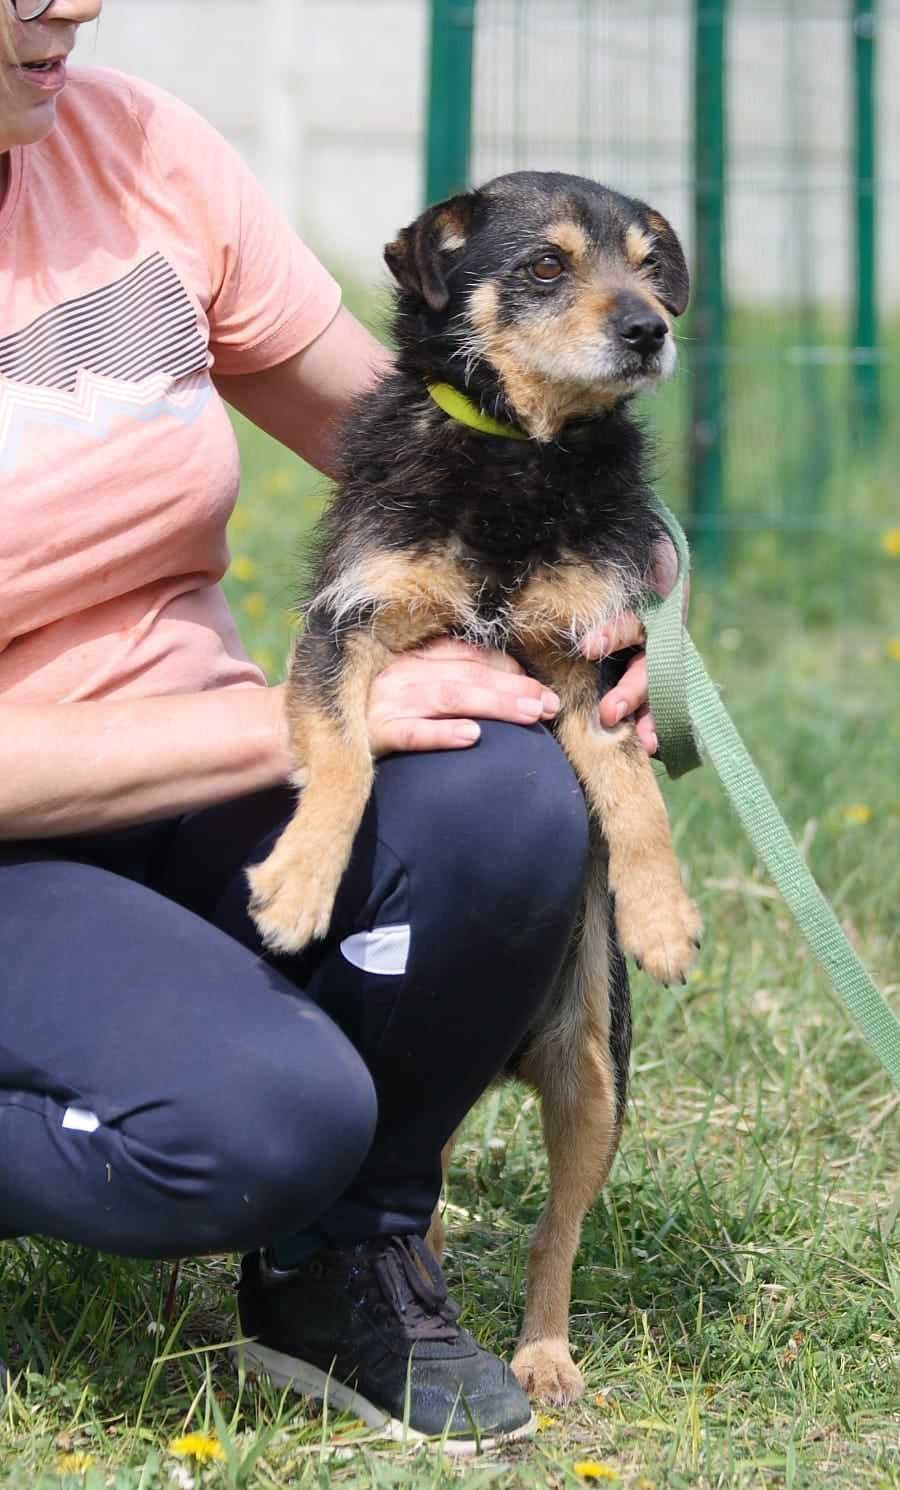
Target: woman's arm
{"points": [[90, 767], [299, 401]]}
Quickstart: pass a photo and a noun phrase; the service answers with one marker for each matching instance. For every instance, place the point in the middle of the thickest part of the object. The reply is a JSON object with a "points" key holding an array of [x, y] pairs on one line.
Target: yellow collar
{"points": [[464, 411]]}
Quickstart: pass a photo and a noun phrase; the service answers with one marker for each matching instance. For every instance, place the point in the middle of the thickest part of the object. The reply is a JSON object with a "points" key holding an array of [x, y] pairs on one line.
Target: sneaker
{"points": [[371, 1329]]}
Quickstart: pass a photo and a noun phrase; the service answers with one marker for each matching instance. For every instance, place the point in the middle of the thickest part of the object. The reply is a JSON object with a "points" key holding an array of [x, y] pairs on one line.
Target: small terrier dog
{"points": [[546, 301]]}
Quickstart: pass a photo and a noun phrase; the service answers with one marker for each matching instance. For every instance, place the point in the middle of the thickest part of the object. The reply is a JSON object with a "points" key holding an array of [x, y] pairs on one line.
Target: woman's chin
{"points": [[28, 126]]}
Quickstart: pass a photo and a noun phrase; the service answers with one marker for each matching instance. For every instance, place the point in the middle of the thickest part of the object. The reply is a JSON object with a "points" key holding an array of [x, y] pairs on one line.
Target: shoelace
{"points": [[414, 1286]]}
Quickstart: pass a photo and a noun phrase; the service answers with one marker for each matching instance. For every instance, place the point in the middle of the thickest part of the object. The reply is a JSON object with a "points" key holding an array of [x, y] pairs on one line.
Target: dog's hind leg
{"points": [[437, 1231], [578, 1064], [293, 890]]}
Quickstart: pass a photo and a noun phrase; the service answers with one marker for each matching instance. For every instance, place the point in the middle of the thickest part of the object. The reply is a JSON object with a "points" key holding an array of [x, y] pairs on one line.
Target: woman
{"points": [[165, 1090]]}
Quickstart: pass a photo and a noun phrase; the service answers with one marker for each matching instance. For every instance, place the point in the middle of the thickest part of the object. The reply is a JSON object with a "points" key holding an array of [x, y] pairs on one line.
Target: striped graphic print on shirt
{"points": [[139, 325]]}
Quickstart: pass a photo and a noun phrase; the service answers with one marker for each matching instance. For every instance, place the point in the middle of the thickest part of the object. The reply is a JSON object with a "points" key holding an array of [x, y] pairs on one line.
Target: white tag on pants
{"points": [[81, 1119], [384, 950]]}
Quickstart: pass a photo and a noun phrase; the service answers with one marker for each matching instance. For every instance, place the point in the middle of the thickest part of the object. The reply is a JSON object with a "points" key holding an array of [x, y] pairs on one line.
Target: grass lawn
{"points": [[737, 1295]]}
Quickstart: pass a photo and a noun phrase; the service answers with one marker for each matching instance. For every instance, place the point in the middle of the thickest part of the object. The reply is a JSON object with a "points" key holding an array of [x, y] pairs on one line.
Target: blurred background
{"points": [[765, 129]]}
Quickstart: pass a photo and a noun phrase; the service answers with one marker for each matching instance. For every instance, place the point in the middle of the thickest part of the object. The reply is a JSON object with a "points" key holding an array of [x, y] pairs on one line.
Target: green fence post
{"points": [[449, 132], [865, 183], [707, 430]]}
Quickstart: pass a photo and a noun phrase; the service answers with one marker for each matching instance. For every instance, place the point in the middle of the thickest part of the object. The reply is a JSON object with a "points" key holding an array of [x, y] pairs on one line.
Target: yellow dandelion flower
{"points": [[589, 1469], [544, 1421], [890, 542], [601, 1399], [277, 483], [255, 605], [893, 648], [244, 568], [75, 1463], [200, 1446], [240, 520], [856, 814]]}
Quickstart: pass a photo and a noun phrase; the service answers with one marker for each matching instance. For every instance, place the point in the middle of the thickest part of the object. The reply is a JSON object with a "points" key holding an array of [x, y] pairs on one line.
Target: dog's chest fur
{"points": [[515, 540]]}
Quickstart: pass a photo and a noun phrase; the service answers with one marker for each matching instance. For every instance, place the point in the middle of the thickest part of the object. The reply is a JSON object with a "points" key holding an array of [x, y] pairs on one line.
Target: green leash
{"points": [[688, 714]]}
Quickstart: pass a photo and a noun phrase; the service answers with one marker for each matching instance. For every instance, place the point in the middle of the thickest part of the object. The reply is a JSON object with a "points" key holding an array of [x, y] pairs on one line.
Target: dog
{"points": [[543, 302]]}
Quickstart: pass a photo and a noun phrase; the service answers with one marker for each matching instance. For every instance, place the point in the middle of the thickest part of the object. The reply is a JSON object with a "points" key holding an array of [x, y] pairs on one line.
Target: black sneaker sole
{"points": [[309, 1381]]}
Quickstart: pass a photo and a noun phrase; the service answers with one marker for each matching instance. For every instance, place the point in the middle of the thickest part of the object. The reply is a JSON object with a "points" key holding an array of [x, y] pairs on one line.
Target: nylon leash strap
{"points": [[690, 716]]}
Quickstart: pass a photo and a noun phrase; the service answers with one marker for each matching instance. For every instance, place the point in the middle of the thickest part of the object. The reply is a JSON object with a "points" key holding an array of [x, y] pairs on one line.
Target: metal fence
{"points": [[768, 132]]}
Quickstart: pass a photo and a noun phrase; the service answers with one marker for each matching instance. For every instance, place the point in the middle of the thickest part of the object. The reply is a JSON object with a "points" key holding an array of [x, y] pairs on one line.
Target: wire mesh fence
{"points": [[769, 135]]}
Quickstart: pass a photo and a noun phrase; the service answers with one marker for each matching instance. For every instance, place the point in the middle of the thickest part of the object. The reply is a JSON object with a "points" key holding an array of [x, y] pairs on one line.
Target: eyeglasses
{"points": [[29, 10]]}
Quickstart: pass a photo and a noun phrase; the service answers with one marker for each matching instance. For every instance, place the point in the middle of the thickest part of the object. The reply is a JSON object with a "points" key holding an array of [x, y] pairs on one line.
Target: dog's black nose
{"points": [[643, 330]]}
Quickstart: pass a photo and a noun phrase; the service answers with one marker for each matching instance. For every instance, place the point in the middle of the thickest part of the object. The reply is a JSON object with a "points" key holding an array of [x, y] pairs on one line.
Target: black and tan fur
{"points": [[547, 299]]}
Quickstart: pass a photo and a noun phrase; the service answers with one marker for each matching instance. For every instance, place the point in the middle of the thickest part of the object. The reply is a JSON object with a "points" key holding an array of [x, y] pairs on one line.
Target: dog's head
{"points": [[549, 293]]}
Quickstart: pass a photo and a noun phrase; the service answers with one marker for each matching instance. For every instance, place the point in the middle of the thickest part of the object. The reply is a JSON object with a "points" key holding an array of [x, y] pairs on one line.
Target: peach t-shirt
{"points": [[137, 255]]}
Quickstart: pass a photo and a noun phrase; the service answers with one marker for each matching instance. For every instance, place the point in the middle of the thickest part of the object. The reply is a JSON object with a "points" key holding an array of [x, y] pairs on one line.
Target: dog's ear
{"points": [[417, 258], [672, 276]]}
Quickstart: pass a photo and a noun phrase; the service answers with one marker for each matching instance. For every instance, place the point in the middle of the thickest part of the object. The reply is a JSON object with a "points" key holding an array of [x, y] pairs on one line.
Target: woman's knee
{"points": [[509, 813], [301, 1154], [268, 1145]]}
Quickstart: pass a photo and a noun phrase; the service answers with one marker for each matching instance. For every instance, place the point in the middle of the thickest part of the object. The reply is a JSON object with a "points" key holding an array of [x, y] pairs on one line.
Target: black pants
{"points": [[165, 1090]]}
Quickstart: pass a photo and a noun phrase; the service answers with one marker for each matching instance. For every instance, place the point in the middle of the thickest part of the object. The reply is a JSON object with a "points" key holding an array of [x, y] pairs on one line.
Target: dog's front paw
{"points": [[546, 1371], [291, 905], [660, 927]]}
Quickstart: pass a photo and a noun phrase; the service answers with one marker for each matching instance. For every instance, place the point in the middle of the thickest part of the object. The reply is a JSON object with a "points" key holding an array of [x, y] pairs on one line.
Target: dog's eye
{"points": [[547, 267]]}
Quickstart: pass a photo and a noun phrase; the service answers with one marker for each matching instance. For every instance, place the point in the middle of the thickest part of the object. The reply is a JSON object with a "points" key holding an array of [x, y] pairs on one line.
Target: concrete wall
{"points": [[326, 100]]}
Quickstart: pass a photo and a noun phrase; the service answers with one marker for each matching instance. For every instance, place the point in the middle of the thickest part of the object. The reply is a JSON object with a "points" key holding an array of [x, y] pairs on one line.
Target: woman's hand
{"points": [[432, 698], [629, 698]]}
